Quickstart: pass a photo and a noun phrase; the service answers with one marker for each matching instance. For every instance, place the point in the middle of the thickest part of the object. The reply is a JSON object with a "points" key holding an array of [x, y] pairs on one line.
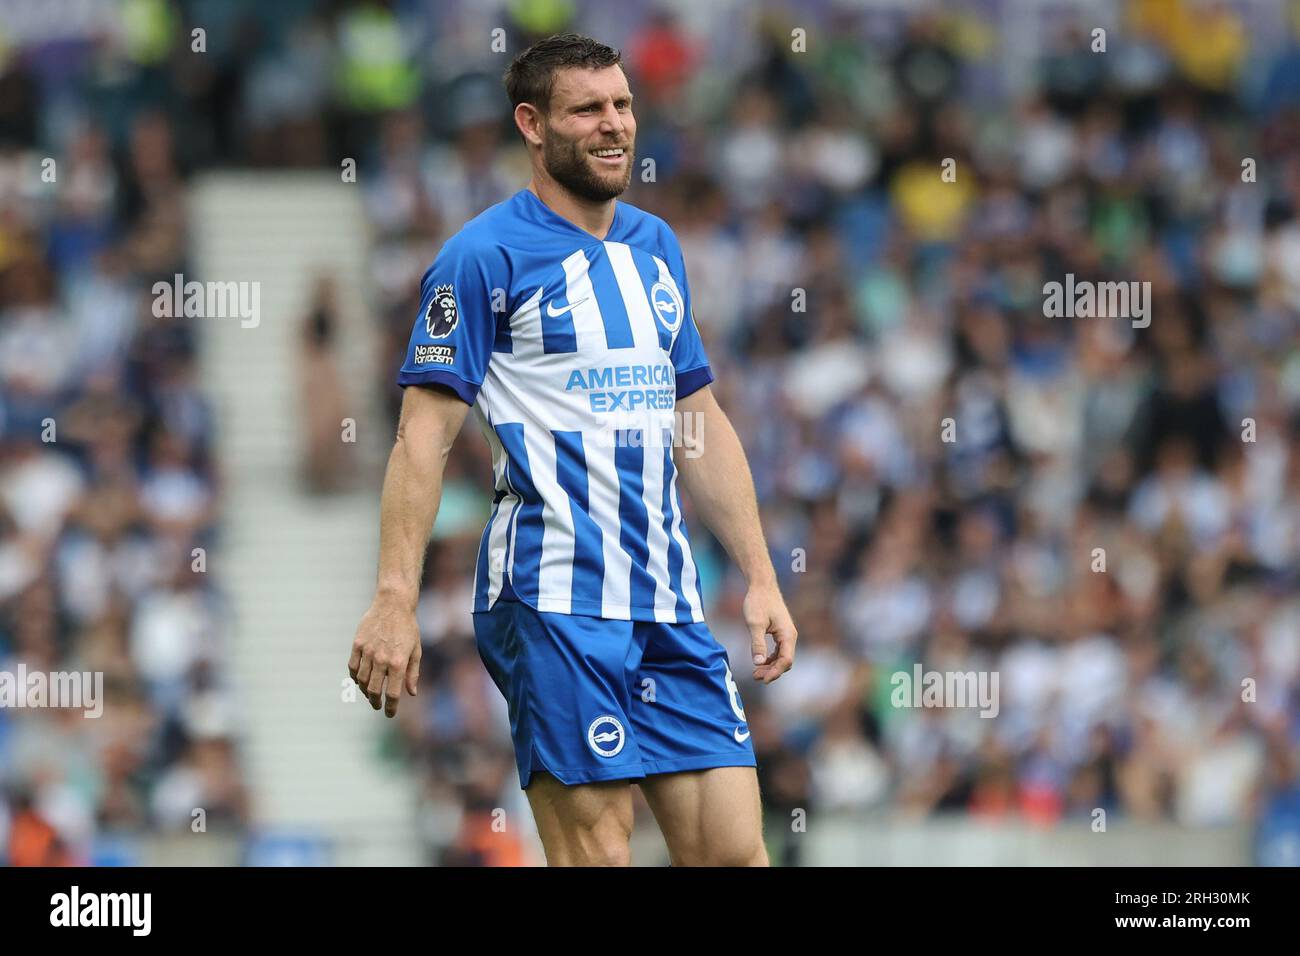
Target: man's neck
{"points": [[589, 216]]}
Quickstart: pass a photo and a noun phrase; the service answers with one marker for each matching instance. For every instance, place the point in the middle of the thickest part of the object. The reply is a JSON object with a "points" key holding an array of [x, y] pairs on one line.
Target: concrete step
{"points": [[297, 571]]}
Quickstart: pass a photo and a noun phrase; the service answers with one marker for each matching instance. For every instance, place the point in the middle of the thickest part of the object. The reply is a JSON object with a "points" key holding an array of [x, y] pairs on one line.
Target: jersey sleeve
{"points": [[690, 363], [451, 342]]}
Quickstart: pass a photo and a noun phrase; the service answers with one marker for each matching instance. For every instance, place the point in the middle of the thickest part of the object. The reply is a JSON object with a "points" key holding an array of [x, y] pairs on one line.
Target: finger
{"points": [[771, 672], [783, 659], [363, 671], [375, 686], [393, 690], [758, 643], [413, 672], [354, 662]]}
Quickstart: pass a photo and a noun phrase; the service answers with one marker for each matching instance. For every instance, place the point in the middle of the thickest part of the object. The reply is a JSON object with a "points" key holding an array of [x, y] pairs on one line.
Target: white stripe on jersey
{"points": [[588, 324], [645, 330], [602, 500], [652, 474], [555, 573], [689, 590], [501, 520]]}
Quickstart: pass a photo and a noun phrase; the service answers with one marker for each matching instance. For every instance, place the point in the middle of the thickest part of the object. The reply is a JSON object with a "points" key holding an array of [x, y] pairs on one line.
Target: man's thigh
{"points": [[709, 817], [587, 824], [696, 751]]}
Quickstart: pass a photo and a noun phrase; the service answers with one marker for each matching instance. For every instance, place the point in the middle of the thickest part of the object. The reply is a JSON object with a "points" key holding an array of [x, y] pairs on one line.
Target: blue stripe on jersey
{"points": [[557, 331], [634, 520], [588, 543], [675, 557], [618, 327], [649, 272], [527, 548], [504, 341]]}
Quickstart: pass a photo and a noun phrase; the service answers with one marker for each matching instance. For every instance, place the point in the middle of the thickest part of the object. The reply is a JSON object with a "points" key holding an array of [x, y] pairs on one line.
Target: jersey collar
{"points": [[548, 216]]}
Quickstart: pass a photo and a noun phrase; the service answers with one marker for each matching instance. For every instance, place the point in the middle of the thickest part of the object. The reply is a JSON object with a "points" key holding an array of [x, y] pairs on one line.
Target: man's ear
{"points": [[528, 120]]}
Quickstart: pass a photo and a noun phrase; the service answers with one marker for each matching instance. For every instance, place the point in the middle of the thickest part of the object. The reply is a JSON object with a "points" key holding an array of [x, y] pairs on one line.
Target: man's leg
{"points": [[587, 824], [709, 817], [696, 752], [564, 678]]}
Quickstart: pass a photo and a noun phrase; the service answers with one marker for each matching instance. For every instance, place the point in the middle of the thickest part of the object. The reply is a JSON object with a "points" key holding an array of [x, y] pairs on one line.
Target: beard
{"points": [[568, 164]]}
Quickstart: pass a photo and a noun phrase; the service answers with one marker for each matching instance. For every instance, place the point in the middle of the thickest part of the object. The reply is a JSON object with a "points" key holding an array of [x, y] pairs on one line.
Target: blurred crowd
{"points": [[1106, 516], [108, 487]]}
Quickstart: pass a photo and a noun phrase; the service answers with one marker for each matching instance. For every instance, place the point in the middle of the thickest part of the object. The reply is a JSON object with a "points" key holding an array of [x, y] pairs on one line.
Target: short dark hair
{"points": [[531, 77]]}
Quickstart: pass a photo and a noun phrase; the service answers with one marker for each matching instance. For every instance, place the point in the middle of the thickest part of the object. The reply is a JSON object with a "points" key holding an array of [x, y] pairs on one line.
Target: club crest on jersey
{"points": [[605, 736], [441, 316], [667, 305]]}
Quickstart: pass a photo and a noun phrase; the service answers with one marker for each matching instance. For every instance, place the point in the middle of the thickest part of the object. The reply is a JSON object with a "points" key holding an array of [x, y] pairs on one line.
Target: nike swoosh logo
{"points": [[740, 738], [555, 314]]}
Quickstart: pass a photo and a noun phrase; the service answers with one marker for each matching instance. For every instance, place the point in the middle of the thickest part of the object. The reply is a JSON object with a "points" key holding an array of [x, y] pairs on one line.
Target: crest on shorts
{"points": [[441, 316], [605, 736]]}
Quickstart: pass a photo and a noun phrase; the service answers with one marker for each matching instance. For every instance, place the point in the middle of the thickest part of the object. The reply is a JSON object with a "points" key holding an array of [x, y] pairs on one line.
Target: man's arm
{"points": [[387, 645], [716, 476]]}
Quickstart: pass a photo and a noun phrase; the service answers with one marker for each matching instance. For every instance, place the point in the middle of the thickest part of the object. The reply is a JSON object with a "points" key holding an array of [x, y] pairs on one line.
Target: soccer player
{"points": [[563, 318]]}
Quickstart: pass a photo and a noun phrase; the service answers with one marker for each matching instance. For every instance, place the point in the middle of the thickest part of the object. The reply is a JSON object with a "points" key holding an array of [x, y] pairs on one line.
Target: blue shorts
{"points": [[598, 699]]}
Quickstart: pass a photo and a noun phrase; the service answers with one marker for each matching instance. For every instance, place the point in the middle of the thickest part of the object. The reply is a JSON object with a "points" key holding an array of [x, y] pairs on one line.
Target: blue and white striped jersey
{"points": [[573, 352]]}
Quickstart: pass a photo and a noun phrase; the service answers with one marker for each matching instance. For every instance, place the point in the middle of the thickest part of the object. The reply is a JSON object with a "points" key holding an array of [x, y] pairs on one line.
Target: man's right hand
{"points": [[386, 654], [386, 650]]}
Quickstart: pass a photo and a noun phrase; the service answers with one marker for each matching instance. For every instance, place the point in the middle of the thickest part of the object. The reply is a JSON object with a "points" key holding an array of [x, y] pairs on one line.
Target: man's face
{"points": [[589, 133]]}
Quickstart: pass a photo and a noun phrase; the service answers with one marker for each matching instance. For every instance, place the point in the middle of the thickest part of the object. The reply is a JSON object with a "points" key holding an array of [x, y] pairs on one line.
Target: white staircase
{"points": [[298, 571]]}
